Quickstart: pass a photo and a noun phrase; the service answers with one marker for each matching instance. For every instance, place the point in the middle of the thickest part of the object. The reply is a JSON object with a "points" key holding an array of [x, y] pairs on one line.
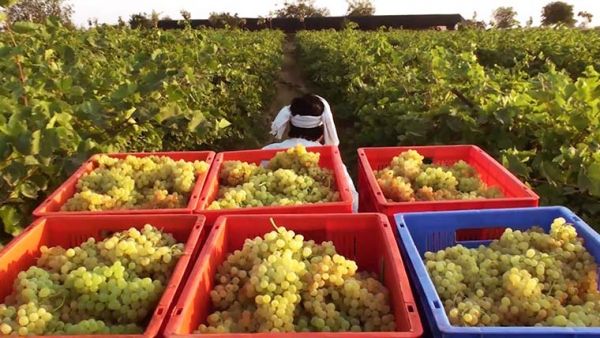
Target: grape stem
{"points": [[273, 223], [61, 303]]}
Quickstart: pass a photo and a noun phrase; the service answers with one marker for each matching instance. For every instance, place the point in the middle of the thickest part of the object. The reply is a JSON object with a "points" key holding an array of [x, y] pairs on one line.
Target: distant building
{"points": [[374, 22]]}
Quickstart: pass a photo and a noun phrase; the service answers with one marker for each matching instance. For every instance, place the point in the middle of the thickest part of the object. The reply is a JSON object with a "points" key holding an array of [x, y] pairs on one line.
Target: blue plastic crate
{"points": [[432, 231]]}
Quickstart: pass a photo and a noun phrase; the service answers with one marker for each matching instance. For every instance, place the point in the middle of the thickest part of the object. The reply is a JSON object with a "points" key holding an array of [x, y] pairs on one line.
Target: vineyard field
{"points": [[67, 94], [531, 98]]}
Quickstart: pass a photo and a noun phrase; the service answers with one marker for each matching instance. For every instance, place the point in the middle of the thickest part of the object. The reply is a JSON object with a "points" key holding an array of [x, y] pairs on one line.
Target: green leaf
{"points": [[25, 27], [7, 3], [56, 139], [223, 123], [3, 16], [594, 176], [22, 143], [196, 120], [167, 111], [29, 190], [551, 171], [4, 147], [10, 217], [41, 181], [68, 55], [14, 172], [514, 164]]}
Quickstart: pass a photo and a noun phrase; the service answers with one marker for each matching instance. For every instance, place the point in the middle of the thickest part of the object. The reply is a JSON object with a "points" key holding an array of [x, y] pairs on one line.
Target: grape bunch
{"points": [[283, 283], [153, 182], [409, 179], [526, 278], [100, 287], [291, 177]]}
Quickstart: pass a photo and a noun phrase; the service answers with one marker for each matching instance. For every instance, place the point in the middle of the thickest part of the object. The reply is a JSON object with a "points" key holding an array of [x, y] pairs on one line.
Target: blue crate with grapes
{"points": [[538, 279]]}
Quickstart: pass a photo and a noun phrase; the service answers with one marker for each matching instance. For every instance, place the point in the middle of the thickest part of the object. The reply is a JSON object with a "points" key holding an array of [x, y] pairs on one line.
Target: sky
{"points": [[108, 11]]}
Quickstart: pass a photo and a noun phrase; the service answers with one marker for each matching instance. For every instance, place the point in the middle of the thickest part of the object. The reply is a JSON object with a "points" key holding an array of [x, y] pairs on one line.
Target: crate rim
{"points": [[76, 175], [203, 203], [441, 320], [381, 200]]}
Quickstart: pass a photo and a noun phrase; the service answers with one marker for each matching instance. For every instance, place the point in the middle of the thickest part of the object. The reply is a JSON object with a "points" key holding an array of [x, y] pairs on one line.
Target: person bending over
{"points": [[309, 122]]}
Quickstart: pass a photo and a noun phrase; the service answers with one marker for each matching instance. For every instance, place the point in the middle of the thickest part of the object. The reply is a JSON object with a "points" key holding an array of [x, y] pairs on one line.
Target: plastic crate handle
{"points": [[436, 305]]}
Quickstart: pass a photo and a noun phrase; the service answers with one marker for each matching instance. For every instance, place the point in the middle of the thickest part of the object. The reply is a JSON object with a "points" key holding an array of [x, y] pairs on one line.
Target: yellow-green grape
{"points": [[395, 188], [436, 178], [236, 172], [293, 177], [408, 179], [283, 283], [151, 182], [462, 169], [296, 158], [100, 287], [526, 278], [408, 164]]}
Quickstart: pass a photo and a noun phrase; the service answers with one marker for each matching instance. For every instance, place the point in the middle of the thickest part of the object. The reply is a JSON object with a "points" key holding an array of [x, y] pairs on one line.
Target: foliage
{"points": [[472, 23], [360, 8], [186, 15], [67, 94], [587, 16], [226, 20], [504, 17], [529, 97], [300, 9], [140, 20], [40, 10], [558, 12]]}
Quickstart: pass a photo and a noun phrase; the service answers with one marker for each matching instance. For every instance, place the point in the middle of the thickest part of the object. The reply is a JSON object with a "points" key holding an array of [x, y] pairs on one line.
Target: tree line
{"points": [[554, 13]]}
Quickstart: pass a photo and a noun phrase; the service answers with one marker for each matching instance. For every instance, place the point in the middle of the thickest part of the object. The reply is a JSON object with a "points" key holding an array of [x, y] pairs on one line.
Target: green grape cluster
{"points": [[409, 179], [153, 182], [296, 158], [292, 177], [283, 283], [526, 278], [100, 287]]}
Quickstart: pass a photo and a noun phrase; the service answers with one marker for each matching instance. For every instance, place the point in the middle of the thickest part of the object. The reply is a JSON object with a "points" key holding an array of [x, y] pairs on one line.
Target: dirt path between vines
{"points": [[291, 82]]}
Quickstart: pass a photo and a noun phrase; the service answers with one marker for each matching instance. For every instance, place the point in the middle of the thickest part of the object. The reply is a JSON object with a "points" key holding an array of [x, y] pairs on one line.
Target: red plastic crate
{"points": [[516, 194], [330, 158], [69, 231], [368, 239], [52, 205]]}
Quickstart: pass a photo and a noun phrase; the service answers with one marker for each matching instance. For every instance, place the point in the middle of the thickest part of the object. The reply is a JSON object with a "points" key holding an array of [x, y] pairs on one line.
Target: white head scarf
{"points": [[301, 121]]}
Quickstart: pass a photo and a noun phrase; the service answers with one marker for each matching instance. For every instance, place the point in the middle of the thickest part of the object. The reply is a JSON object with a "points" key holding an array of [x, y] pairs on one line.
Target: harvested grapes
{"points": [[153, 182], [291, 177], [100, 287], [408, 179], [283, 283], [526, 278]]}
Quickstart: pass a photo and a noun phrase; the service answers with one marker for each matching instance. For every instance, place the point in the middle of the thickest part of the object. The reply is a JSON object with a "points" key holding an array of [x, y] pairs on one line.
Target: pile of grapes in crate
{"points": [[407, 178], [153, 182], [99, 287], [281, 282], [526, 278], [291, 177]]}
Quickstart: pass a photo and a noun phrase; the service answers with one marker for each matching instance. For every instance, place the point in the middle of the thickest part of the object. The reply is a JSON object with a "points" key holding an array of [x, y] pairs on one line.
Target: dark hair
{"points": [[306, 105]]}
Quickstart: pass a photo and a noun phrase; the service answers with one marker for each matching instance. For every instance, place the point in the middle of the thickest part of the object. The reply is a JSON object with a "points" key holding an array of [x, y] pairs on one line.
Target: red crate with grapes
{"points": [[275, 181], [364, 269], [91, 276], [395, 180], [132, 183]]}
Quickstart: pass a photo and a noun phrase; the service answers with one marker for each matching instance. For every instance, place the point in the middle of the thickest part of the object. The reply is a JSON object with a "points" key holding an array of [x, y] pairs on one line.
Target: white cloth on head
{"points": [[292, 142], [279, 125]]}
